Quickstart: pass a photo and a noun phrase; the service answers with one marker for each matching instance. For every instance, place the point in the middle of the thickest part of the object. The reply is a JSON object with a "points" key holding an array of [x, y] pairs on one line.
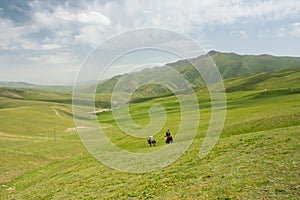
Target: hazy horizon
{"points": [[122, 73]]}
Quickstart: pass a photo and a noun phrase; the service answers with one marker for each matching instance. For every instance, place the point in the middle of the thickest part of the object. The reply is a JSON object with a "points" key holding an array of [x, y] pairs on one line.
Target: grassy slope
{"points": [[233, 65], [250, 166], [35, 95], [230, 65], [28, 119], [257, 156], [288, 78]]}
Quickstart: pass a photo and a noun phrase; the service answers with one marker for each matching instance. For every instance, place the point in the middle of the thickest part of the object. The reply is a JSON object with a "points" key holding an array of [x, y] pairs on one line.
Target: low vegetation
{"points": [[257, 156]]}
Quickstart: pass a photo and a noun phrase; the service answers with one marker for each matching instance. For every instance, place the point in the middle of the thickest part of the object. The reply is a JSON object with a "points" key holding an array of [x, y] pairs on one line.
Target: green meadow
{"points": [[256, 157]]}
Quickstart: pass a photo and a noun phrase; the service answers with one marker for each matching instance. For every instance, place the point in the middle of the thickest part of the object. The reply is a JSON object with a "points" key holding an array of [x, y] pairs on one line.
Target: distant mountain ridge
{"points": [[230, 65], [16, 84], [234, 65], [25, 85], [283, 82]]}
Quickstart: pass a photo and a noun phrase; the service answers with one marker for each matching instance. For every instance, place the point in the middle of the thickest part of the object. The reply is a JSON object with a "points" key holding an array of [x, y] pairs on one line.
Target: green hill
{"points": [[27, 94], [257, 156], [284, 81], [289, 78], [230, 65], [234, 65]]}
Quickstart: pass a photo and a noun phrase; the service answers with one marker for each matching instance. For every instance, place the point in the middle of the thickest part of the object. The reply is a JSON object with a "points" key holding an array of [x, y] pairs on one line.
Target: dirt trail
{"points": [[56, 112], [9, 136]]}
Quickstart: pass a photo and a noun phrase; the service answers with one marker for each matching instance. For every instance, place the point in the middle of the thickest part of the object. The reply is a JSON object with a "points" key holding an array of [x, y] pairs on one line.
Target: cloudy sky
{"points": [[45, 42]]}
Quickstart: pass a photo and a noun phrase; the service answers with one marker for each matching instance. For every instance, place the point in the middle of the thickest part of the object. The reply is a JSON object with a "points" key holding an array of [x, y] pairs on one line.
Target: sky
{"points": [[46, 42]]}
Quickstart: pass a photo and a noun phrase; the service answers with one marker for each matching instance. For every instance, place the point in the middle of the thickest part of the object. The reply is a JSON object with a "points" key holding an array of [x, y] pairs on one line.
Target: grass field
{"points": [[257, 156]]}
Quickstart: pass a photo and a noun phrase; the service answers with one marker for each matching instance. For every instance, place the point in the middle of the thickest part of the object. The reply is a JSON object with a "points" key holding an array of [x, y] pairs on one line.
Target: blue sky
{"points": [[45, 42]]}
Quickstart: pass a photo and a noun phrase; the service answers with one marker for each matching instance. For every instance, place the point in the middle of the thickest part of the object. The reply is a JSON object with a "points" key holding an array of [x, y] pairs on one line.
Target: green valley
{"points": [[256, 157]]}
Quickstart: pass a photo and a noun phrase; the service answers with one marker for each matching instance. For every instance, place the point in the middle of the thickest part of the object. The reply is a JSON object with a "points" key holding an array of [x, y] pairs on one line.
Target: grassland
{"points": [[257, 156]]}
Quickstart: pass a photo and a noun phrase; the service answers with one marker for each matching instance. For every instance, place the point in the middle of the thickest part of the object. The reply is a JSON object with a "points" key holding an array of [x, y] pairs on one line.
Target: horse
{"points": [[169, 139], [151, 141]]}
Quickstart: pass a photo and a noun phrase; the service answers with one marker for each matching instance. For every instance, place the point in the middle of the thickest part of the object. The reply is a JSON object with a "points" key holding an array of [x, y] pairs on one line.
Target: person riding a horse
{"points": [[168, 137], [151, 141]]}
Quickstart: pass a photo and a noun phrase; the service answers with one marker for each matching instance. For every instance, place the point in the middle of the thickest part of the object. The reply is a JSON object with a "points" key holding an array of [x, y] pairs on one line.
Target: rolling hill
{"points": [[257, 156], [234, 65], [230, 65], [288, 78], [37, 95]]}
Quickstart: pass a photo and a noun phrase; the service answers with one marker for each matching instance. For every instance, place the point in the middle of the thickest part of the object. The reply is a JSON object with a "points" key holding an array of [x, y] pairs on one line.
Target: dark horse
{"points": [[151, 141], [169, 139]]}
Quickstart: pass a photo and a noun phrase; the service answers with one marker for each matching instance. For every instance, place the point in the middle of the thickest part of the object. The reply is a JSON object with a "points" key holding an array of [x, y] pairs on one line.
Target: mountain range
{"points": [[230, 65]]}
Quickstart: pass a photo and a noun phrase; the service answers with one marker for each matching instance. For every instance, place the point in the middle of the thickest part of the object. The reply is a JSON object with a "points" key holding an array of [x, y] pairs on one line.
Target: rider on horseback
{"points": [[151, 141], [168, 133], [168, 137]]}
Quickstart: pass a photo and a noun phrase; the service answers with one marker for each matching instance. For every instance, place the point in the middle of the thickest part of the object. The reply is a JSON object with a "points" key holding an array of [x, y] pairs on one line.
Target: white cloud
{"points": [[51, 27], [70, 25], [13, 36], [187, 16], [53, 32], [50, 46], [289, 30], [94, 21], [295, 29], [93, 18], [63, 16], [54, 59]]}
